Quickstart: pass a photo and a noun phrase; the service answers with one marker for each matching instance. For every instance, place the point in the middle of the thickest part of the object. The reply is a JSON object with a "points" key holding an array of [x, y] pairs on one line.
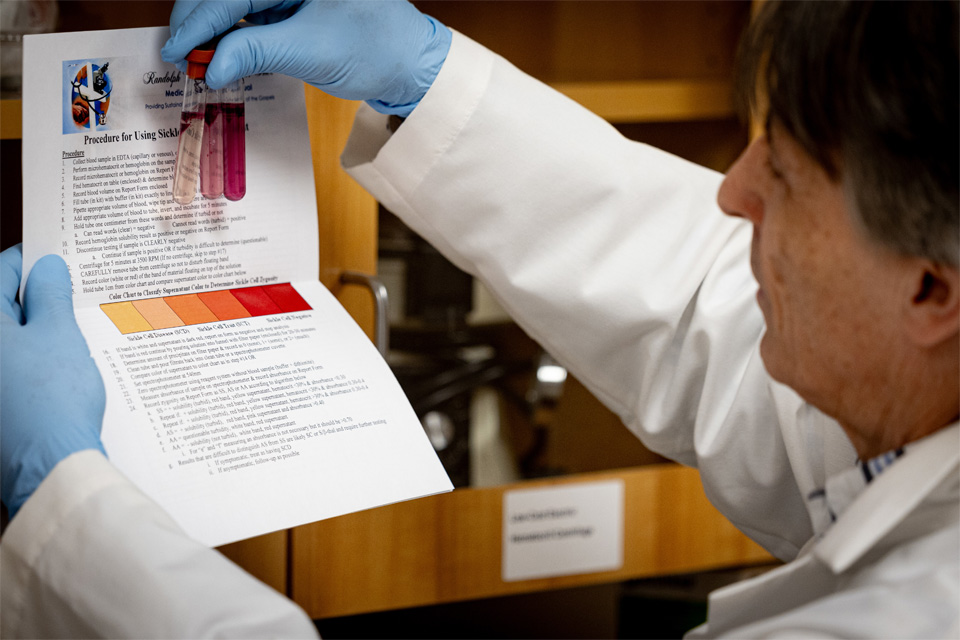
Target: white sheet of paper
{"points": [[563, 530], [238, 426]]}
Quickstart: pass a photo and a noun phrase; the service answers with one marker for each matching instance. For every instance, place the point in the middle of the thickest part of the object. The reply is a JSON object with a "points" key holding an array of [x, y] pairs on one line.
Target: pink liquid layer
{"points": [[234, 151], [211, 152], [187, 168]]}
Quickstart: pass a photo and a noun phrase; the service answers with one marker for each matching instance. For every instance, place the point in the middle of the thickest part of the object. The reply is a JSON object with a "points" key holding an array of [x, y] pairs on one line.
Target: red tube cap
{"points": [[197, 61]]}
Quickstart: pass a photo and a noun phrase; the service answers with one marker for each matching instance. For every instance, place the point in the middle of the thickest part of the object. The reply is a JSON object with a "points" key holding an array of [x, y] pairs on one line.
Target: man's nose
{"points": [[741, 193]]}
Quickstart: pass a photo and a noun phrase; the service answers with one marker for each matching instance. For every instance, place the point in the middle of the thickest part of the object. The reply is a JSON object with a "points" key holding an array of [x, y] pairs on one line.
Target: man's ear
{"points": [[933, 312]]}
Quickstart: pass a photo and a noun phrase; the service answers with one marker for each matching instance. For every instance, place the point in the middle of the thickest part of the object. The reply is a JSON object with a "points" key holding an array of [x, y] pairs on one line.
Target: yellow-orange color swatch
{"points": [[126, 317]]}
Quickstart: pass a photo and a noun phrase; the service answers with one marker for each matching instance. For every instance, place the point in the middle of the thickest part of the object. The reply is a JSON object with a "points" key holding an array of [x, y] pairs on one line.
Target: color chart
{"points": [[200, 308]]}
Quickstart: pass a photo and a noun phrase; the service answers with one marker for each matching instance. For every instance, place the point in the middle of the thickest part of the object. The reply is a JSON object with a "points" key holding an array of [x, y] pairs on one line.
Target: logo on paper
{"points": [[88, 100]]}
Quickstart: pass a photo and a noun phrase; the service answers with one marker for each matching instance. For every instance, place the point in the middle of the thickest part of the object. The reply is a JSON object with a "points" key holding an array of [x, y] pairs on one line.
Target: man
{"points": [[821, 409]]}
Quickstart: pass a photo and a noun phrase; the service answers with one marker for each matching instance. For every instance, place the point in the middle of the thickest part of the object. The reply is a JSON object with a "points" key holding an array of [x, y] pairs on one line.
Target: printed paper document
{"points": [[240, 394]]}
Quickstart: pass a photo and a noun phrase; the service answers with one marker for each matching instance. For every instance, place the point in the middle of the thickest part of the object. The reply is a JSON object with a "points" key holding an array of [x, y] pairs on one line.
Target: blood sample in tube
{"points": [[186, 173], [234, 137]]}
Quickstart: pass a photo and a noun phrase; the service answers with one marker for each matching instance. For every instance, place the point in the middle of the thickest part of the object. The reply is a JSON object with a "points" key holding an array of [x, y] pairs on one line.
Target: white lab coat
{"points": [[615, 257], [88, 555]]}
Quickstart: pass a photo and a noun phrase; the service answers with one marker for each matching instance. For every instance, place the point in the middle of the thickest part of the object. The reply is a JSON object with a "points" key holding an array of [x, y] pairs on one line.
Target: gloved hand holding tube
{"points": [[385, 52], [52, 397]]}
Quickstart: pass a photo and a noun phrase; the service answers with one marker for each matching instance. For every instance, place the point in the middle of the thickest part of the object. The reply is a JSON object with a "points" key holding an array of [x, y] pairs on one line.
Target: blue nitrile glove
{"points": [[51, 395], [384, 52]]}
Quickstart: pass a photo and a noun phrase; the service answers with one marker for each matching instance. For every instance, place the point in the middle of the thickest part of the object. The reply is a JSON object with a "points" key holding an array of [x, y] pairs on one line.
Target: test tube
{"points": [[234, 135], [211, 150], [186, 173]]}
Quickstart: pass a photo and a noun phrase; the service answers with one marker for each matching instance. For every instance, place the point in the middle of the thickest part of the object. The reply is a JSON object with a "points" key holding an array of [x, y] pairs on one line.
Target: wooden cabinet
{"points": [[447, 548], [657, 68]]}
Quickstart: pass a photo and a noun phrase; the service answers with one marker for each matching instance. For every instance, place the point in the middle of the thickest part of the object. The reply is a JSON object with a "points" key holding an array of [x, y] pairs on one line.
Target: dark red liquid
{"points": [[211, 112], [186, 117], [234, 151]]}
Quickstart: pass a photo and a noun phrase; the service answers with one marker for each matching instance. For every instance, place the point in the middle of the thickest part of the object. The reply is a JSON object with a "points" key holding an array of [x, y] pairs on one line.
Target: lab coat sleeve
{"points": [[612, 255], [89, 555]]}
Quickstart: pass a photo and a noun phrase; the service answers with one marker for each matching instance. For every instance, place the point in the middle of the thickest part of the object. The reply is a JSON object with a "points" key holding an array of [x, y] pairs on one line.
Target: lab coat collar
{"points": [[920, 474], [890, 497]]}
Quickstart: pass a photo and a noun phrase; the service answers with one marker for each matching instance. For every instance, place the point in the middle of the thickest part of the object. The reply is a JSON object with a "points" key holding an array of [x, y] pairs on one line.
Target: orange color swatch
{"points": [[224, 305], [191, 309]]}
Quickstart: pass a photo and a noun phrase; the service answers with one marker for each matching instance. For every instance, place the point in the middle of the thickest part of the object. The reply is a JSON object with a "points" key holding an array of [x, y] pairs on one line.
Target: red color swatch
{"points": [[256, 301], [286, 297]]}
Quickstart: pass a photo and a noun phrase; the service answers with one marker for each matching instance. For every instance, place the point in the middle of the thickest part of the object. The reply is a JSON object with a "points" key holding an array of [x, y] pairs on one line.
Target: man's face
{"points": [[825, 290]]}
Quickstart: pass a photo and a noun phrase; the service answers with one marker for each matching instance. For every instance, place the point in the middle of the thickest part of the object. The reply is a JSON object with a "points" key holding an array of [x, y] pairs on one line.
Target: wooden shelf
{"points": [[447, 548], [653, 100], [11, 119], [618, 102]]}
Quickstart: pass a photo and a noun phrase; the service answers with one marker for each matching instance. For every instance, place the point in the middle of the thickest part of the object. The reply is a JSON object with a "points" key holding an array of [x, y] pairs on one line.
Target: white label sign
{"points": [[562, 530]]}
